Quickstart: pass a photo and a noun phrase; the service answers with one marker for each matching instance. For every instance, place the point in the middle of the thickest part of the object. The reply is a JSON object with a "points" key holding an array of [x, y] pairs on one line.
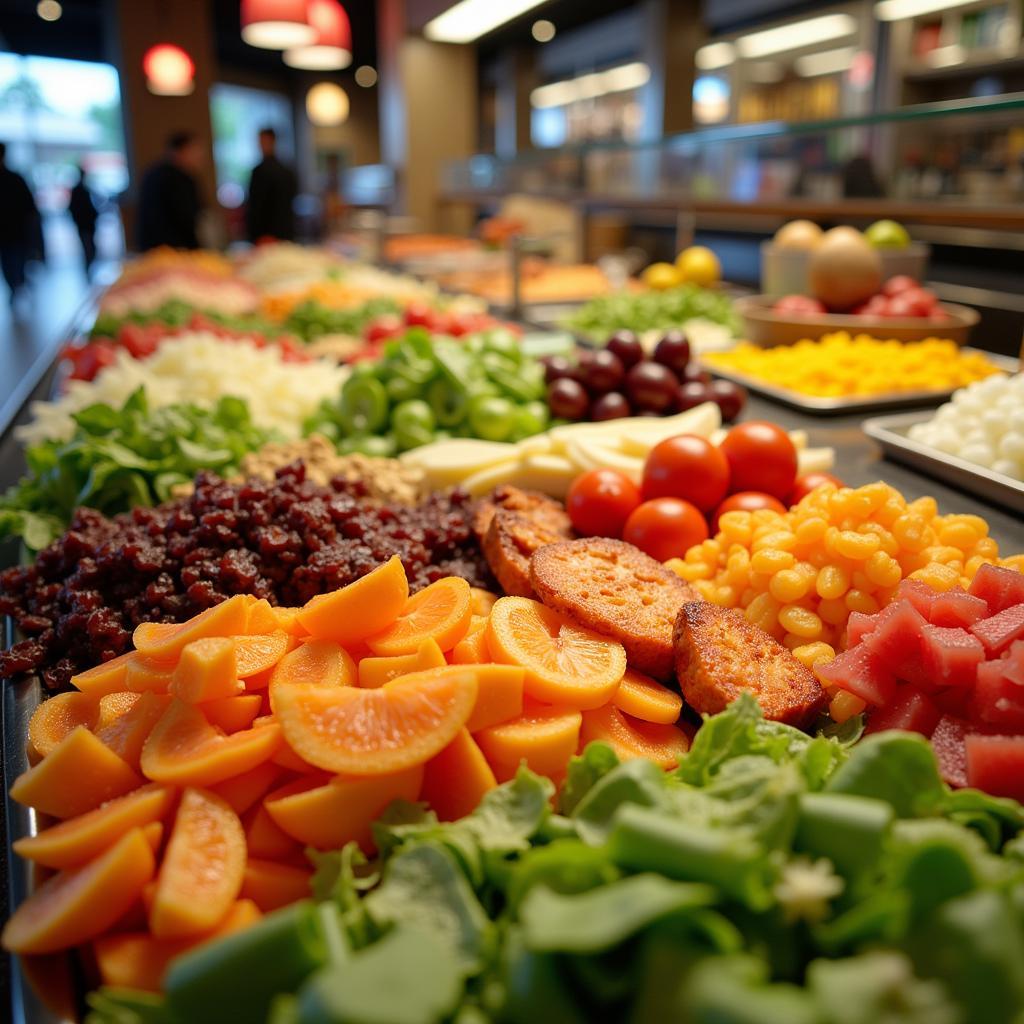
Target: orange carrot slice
{"points": [[261, 617], [472, 650], [113, 706], [375, 672], [544, 737], [77, 776], [483, 601], [328, 814], [147, 675], [265, 841], [565, 664], [271, 885], [232, 714], [201, 872], [361, 609], [77, 840], [644, 698], [206, 671], [499, 696], [107, 677], [456, 780], [629, 737], [127, 734], [441, 611], [184, 749], [56, 717], [77, 905], [259, 652], [165, 641], [313, 663], [288, 620], [375, 732], [243, 791]]}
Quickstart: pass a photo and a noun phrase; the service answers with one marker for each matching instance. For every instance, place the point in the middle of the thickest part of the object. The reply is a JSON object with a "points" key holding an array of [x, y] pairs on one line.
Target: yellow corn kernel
{"points": [[938, 577], [706, 589], [816, 653], [845, 705], [857, 546], [861, 601], [811, 530], [801, 621], [1013, 562], [925, 507], [725, 596], [886, 541], [911, 532], [833, 581], [691, 571], [882, 570], [986, 547], [771, 560], [789, 585], [958, 534]]}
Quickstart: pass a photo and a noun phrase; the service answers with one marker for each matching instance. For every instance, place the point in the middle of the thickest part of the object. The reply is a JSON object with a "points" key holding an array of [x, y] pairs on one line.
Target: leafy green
{"points": [[179, 313], [126, 1006], [596, 761], [311, 319]]}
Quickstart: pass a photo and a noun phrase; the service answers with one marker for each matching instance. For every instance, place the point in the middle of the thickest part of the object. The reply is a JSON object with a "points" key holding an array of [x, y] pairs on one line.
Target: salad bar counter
{"points": [[375, 660]]}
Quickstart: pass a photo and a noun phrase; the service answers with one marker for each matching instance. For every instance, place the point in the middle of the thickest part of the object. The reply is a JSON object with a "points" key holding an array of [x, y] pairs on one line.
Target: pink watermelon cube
{"points": [[998, 631], [957, 608], [996, 764], [862, 674], [859, 626], [895, 641], [950, 656], [919, 594], [909, 710], [1000, 588], [998, 701], [948, 744], [1013, 663]]}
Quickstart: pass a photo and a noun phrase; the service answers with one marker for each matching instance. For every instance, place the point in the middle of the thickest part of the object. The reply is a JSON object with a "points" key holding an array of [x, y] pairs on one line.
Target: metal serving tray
{"points": [[862, 404], [891, 433]]}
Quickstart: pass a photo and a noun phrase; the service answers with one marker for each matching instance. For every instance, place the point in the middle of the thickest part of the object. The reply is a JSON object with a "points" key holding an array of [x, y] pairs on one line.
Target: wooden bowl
{"points": [[763, 326]]}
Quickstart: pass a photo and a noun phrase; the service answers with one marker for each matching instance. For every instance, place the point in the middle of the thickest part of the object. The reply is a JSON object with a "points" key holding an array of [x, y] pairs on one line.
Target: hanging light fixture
{"points": [[327, 105], [169, 70], [276, 24], [332, 49]]}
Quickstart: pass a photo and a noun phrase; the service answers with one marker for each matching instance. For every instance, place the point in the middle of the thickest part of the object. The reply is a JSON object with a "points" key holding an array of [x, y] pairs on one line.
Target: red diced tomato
{"points": [[1000, 630], [948, 743], [910, 710], [862, 674], [896, 642], [919, 594], [1013, 663], [1000, 588], [950, 656], [859, 626], [996, 764], [957, 608], [998, 701]]}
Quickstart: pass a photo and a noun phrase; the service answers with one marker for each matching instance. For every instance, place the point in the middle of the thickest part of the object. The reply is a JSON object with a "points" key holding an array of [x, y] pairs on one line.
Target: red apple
{"points": [[800, 305]]}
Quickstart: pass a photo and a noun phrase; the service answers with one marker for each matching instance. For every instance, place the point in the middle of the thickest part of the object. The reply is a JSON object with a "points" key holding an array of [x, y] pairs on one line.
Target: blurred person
{"points": [[19, 219], [272, 189], [82, 208], [169, 199]]}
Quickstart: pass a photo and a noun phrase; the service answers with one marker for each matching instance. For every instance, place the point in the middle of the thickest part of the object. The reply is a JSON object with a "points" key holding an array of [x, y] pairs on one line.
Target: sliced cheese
{"points": [[486, 479]]}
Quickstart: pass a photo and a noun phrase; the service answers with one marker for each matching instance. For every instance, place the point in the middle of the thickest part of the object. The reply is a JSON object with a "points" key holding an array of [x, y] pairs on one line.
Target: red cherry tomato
{"points": [[418, 315], [811, 482], [761, 458], [746, 501], [687, 467], [665, 528], [897, 284], [382, 328], [600, 501]]}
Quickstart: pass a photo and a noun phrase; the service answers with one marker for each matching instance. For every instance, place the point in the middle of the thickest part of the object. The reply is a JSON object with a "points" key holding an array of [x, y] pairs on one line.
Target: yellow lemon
{"points": [[661, 276], [699, 265]]}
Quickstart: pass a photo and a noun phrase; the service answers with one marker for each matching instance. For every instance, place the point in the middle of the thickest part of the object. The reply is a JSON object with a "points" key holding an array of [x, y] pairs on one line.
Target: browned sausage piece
{"points": [[719, 654], [510, 541], [616, 590], [537, 507]]}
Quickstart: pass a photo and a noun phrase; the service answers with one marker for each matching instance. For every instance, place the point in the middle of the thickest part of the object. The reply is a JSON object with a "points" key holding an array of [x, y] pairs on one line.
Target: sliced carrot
{"points": [[148, 675], [313, 663], [375, 732], [629, 737], [265, 840], [328, 814], [127, 734], [165, 641], [645, 698], [114, 705], [287, 758], [104, 678], [80, 839], [232, 714], [56, 717], [206, 670], [472, 650], [243, 791], [259, 652], [441, 611], [362, 608], [138, 961], [288, 620], [499, 695], [154, 833], [202, 868], [483, 601], [261, 617], [544, 737], [565, 663], [77, 776], [186, 750], [271, 885], [77, 905], [456, 780], [375, 672]]}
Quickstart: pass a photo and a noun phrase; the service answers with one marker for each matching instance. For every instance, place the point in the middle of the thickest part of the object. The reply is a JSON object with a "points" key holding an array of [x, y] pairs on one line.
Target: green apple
{"points": [[887, 234]]}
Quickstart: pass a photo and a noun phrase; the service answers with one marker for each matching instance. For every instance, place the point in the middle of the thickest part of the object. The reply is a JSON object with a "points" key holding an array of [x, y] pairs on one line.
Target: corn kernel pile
{"points": [[799, 575], [840, 365]]}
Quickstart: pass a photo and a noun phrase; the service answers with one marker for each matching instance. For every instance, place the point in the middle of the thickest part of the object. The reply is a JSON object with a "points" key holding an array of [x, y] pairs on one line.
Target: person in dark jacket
{"points": [[169, 200], [19, 219], [83, 212], [272, 191]]}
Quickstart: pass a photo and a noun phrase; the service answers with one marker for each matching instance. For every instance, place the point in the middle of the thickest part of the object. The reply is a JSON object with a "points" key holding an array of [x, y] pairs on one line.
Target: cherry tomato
{"points": [[897, 284], [665, 528], [746, 501], [600, 501], [382, 328], [810, 482], [417, 314], [687, 467], [761, 458]]}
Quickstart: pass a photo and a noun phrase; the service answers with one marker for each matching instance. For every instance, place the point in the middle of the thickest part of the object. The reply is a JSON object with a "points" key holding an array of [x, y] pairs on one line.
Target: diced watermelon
{"points": [[948, 744], [896, 641], [1000, 630], [996, 764], [957, 608], [909, 710], [919, 594], [997, 700], [950, 656], [1013, 662], [859, 626], [862, 674], [998, 587]]}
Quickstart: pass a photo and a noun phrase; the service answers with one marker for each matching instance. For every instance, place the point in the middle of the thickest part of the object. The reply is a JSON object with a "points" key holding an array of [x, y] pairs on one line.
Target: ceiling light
{"points": [[327, 105], [592, 85], [825, 62], [332, 48], [276, 24], [715, 55], [946, 56], [169, 70], [49, 10], [543, 31], [895, 10], [471, 19], [625, 76], [796, 35], [366, 76], [557, 94]]}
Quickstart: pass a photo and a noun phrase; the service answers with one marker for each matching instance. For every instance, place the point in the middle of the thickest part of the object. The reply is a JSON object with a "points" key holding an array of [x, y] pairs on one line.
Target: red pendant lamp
{"points": [[276, 24], [169, 70], [332, 48]]}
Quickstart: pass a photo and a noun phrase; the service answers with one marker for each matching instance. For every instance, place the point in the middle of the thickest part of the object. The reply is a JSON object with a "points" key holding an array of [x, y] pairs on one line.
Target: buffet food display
{"points": [[436, 676]]}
